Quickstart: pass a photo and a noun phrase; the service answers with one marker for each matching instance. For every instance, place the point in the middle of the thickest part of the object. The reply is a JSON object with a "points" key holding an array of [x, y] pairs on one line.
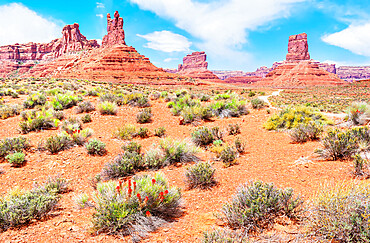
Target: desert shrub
{"points": [[155, 159], [34, 99], [85, 106], [64, 101], [306, 132], [160, 132], [178, 151], [217, 147], [133, 99], [55, 184], [20, 207], [123, 165], [71, 125], [257, 103], [225, 236], [132, 147], [217, 133], [80, 137], [293, 117], [201, 175], [144, 116], [86, 118], [38, 120], [16, 159], [228, 156], [229, 108], [251, 93], [358, 113], [136, 207], [239, 145], [13, 145], [202, 136], [154, 95], [192, 113], [108, 97], [92, 92], [361, 166], [341, 212], [108, 108], [82, 201], [96, 147], [234, 129], [256, 205], [58, 115], [143, 132], [182, 102], [127, 132], [57, 143], [9, 111], [343, 144]]}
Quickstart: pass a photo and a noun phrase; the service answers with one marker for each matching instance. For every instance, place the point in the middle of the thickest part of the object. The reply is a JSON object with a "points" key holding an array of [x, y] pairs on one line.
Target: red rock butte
{"points": [[298, 70], [195, 66], [73, 56]]}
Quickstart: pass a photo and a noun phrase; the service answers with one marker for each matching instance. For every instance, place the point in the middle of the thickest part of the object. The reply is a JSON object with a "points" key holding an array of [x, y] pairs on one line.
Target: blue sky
{"points": [[235, 34]]}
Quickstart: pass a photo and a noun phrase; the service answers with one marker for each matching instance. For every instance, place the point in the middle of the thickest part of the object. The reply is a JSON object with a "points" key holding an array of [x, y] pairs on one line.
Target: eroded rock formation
{"points": [[195, 66], [298, 48], [116, 34]]}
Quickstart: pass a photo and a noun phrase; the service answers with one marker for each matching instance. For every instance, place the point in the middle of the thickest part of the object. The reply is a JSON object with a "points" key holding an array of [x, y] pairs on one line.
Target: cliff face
{"points": [[298, 48]]}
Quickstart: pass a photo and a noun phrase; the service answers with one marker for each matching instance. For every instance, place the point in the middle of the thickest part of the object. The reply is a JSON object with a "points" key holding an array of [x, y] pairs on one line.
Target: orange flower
{"points": [[148, 214], [153, 181], [134, 185], [165, 192], [139, 197], [117, 188], [146, 199]]}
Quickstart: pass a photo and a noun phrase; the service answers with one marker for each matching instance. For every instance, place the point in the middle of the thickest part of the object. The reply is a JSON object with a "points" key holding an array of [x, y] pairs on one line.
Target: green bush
{"points": [[38, 120], [86, 118], [13, 145], [192, 113], [155, 159], [234, 129], [144, 116], [21, 207], [228, 156], [201, 175], [132, 147], [178, 151], [225, 236], [108, 108], [361, 166], [123, 165], [160, 132], [127, 132], [16, 159], [358, 113], [202, 136], [341, 213], [9, 111], [257, 103], [96, 147], [256, 205], [57, 143], [229, 108], [34, 99], [143, 132], [80, 137], [306, 132], [71, 125], [293, 117], [136, 207], [85, 106], [341, 144], [64, 101], [239, 145]]}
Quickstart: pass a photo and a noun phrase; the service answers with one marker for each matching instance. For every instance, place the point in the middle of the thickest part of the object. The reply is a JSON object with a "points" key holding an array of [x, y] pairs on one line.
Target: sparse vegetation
{"points": [[96, 147], [201, 175]]}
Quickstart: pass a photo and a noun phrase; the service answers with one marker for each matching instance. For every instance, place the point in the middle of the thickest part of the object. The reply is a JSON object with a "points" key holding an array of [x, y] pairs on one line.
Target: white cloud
{"points": [[355, 38], [170, 59], [100, 16], [222, 25], [100, 5], [99, 41], [166, 41], [19, 24]]}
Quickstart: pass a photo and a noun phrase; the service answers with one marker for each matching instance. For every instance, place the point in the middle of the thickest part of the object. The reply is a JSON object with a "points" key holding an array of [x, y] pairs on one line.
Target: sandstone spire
{"points": [[116, 34]]}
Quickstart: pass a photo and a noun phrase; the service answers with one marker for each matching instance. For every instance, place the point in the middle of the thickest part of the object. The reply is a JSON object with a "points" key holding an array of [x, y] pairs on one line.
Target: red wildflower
{"points": [[120, 184], [117, 188], [134, 185], [165, 192], [139, 197], [148, 214], [146, 199], [153, 181], [129, 192], [129, 183], [79, 130]]}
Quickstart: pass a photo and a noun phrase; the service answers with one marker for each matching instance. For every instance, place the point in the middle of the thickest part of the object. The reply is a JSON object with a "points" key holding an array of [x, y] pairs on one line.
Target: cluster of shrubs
{"points": [[36, 120], [131, 160], [12, 149], [129, 131], [7, 111], [20, 207], [191, 109]]}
